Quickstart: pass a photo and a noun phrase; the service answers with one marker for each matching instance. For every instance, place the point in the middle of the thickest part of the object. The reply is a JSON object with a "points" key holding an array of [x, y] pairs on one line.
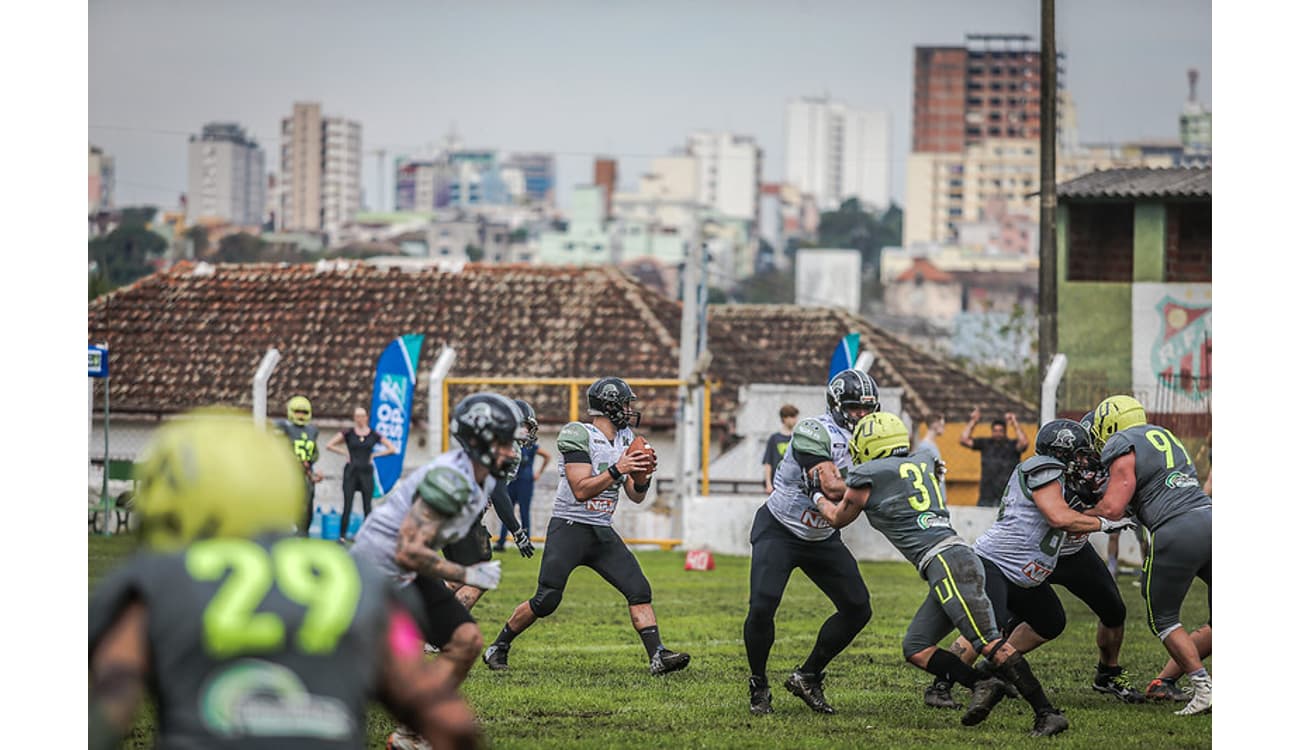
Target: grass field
{"points": [[579, 680]]}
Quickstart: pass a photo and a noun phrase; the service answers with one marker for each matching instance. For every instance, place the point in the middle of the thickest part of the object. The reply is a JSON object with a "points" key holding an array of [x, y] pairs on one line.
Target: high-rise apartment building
{"points": [[833, 152], [227, 177], [539, 176], [1194, 124], [101, 174], [987, 89], [320, 169], [728, 173], [606, 175]]}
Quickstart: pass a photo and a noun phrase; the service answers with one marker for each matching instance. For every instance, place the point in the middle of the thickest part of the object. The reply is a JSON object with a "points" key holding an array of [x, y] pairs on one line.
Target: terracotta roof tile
{"points": [[195, 335]]}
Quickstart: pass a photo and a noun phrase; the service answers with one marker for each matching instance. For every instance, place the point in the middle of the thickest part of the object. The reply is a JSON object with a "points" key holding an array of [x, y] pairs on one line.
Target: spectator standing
{"points": [[777, 442], [358, 444], [999, 454]]}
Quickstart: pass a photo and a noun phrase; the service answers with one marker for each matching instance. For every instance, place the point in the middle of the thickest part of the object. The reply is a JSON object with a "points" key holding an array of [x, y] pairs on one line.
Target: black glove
{"points": [[940, 468], [810, 485], [524, 544]]}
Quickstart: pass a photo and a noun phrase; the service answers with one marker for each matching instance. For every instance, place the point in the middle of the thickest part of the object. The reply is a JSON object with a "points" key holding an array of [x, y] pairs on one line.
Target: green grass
{"points": [[579, 680]]}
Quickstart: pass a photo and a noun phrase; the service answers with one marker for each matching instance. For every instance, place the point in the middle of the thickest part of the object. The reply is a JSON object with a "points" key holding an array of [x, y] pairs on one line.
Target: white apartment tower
{"points": [[833, 152], [320, 170], [227, 177], [728, 172]]}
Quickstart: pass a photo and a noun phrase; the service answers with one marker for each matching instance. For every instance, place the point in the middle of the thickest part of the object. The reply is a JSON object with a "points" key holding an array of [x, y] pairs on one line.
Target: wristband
{"points": [[616, 474]]}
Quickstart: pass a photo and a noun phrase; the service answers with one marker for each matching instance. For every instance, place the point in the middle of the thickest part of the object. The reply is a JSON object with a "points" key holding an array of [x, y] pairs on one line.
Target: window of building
{"points": [[1100, 242], [1187, 242]]}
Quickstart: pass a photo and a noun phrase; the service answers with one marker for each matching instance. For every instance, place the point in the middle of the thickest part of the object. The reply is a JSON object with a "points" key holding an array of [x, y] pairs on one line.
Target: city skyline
{"points": [[581, 80]]}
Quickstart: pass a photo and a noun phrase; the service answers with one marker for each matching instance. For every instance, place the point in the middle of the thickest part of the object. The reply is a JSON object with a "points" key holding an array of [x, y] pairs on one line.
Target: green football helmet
{"points": [[1115, 414], [878, 435], [212, 473]]}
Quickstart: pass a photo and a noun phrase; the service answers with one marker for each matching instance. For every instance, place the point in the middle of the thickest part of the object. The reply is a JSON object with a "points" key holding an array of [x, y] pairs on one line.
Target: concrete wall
{"points": [[722, 524]]}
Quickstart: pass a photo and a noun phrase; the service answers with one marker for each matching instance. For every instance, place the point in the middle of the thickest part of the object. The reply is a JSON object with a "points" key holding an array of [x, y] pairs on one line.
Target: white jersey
{"points": [[377, 538], [1020, 542], [819, 437], [580, 437]]}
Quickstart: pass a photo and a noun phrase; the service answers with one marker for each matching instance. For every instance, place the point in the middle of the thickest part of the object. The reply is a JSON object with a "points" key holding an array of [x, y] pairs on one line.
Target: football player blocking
{"points": [[597, 465]]}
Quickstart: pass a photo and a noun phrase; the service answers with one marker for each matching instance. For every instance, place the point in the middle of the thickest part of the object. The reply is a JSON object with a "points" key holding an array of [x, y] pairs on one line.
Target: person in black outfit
{"points": [[359, 472], [999, 454], [777, 443]]}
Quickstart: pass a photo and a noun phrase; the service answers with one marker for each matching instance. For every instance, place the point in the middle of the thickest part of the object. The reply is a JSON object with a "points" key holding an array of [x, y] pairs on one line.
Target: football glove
{"points": [[524, 544], [1111, 527], [485, 575]]}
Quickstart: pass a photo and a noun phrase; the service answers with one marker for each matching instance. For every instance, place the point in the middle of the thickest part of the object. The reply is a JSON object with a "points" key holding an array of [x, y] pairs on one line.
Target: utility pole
{"points": [[1047, 343], [687, 435], [380, 154]]}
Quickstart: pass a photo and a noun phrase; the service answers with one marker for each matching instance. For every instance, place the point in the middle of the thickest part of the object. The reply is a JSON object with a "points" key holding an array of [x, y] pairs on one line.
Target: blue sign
{"points": [[390, 405], [98, 361], [846, 354]]}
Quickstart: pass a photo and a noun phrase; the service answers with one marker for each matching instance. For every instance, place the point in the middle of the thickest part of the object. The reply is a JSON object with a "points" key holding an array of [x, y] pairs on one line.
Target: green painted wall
{"points": [[1149, 242], [1095, 319]]}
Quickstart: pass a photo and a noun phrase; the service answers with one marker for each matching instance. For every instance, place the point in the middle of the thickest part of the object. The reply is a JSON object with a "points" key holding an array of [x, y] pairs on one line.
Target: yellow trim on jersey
{"points": [[957, 591], [1146, 572]]}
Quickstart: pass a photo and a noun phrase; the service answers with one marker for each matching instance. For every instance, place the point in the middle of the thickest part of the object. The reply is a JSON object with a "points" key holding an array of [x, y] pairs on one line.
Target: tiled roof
{"points": [[1139, 182], [927, 271], [194, 335], [792, 344]]}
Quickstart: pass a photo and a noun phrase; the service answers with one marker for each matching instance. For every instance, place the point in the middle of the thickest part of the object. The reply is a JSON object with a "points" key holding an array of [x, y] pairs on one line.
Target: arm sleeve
{"points": [[504, 507]]}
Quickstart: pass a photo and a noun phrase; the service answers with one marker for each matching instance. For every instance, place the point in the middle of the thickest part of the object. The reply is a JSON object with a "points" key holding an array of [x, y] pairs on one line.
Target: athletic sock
{"points": [[507, 635], [1106, 671], [946, 666], [1016, 671], [1198, 673], [650, 639]]}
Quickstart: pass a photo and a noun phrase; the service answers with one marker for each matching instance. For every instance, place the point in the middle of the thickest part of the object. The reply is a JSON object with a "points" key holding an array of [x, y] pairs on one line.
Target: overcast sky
{"points": [[582, 78]]}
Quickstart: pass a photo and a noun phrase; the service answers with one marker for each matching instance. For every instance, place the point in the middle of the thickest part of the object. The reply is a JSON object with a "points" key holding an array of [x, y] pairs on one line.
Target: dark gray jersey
{"points": [[906, 505], [274, 643], [1166, 479]]}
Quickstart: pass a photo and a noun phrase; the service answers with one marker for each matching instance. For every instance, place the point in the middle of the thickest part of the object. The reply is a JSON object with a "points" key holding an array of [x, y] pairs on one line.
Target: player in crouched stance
{"points": [[595, 465], [903, 500]]}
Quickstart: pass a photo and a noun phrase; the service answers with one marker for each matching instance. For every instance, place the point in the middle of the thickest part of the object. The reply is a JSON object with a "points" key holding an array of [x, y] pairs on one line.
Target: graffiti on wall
{"points": [[1173, 342]]}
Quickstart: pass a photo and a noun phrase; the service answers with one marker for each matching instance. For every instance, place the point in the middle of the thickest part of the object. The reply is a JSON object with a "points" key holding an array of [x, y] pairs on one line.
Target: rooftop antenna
{"points": [[1192, 75]]}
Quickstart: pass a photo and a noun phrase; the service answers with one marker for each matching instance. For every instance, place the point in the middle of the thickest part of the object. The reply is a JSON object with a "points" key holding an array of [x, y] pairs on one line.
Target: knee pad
{"points": [[1050, 628], [545, 601], [763, 608], [1114, 616], [912, 647], [639, 595]]}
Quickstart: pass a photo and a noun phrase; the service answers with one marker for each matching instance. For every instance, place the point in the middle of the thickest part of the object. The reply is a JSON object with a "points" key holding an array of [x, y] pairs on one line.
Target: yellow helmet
{"points": [[1115, 414], [212, 474], [878, 435], [299, 410]]}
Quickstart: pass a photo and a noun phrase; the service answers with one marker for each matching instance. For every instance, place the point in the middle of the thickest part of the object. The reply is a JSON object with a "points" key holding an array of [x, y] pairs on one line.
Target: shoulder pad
{"points": [[445, 490], [811, 438], [116, 591], [860, 475], [574, 437], [1118, 444], [1040, 470]]}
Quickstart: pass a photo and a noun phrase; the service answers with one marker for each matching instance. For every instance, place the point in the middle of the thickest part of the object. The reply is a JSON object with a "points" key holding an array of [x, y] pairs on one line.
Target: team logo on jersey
{"points": [[1180, 355], [1063, 439], [1179, 480], [929, 520], [256, 698]]}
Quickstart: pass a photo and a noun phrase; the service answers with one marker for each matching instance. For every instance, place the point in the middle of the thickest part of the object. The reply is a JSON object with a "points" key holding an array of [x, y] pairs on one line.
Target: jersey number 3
{"points": [[320, 577]]}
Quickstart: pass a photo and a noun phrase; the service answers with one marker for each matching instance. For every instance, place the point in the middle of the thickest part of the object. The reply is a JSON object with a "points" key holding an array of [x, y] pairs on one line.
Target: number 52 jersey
{"points": [[273, 643]]}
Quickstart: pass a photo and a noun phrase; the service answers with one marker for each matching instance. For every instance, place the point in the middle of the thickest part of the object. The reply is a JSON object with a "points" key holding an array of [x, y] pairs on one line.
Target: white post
{"points": [[260, 379], [865, 360], [1055, 371], [687, 435], [441, 369]]}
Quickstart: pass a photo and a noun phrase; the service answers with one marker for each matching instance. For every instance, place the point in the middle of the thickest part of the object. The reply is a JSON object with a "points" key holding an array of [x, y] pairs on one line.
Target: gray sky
{"points": [[581, 78]]}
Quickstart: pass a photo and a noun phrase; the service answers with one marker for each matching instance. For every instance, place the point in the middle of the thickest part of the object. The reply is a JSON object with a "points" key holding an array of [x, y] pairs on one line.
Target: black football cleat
{"points": [[665, 661], [809, 688]]}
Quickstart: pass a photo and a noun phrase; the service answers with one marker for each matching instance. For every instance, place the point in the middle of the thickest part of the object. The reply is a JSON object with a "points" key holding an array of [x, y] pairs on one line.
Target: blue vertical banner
{"points": [[846, 354], [390, 405]]}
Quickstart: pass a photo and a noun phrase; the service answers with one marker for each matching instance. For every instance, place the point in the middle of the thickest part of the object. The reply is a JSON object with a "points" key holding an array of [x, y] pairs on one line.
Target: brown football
{"points": [[640, 444]]}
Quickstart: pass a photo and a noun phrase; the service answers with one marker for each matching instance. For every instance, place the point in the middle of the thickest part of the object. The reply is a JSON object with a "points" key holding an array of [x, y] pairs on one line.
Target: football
{"points": [[640, 444]]}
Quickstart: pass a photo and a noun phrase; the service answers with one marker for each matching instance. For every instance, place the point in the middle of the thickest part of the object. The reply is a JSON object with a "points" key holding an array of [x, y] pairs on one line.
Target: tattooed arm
{"points": [[419, 529]]}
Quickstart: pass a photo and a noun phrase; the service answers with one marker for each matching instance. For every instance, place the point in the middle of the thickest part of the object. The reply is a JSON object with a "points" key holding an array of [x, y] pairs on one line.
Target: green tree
{"points": [[198, 235], [239, 248], [128, 252], [767, 287], [474, 252]]}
